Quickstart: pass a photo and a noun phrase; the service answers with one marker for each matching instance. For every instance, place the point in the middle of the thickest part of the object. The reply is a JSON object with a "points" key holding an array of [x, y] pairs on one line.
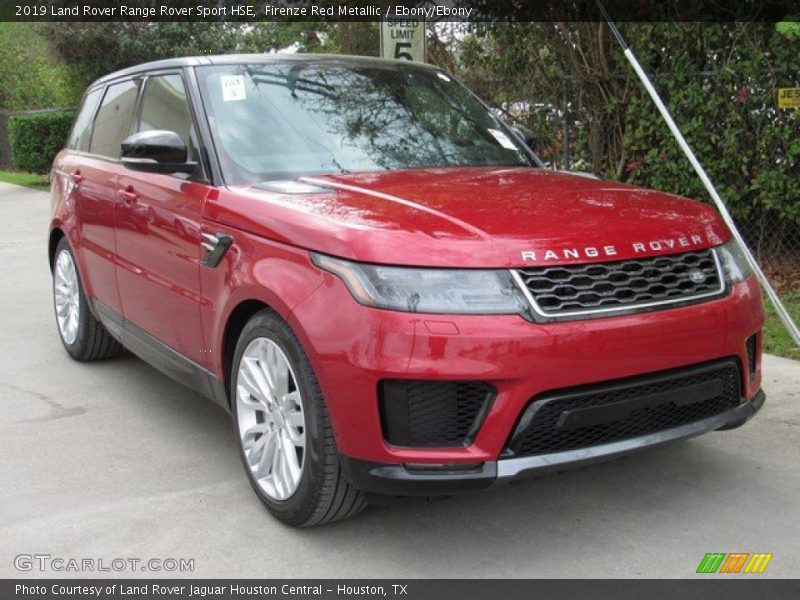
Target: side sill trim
{"points": [[157, 354]]}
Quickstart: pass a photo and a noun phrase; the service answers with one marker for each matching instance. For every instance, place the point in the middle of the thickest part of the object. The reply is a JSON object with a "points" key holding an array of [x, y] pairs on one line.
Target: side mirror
{"points": [[525, 135], [156, 151]]}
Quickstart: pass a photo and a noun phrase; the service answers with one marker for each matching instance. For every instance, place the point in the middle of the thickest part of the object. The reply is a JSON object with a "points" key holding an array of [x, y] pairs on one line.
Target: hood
{"points": [[470, 217]]}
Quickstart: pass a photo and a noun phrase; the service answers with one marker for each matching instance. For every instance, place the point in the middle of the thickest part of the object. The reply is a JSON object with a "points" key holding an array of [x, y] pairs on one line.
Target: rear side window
{"points": [[82, 129], [165, 106], [113, 121]]}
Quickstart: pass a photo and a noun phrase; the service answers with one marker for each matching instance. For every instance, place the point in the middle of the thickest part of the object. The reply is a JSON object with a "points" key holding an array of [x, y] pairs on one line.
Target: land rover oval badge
{"points": [[697, 276]]}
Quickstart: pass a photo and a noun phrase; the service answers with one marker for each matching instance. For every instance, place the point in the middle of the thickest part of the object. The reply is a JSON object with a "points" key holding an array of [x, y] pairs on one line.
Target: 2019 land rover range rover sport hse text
{"points": [[367, 267]]}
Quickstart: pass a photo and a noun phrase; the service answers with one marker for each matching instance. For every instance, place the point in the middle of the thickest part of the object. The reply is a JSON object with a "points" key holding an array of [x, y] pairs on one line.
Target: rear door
{"points": [[92, 170], [158, 230]]}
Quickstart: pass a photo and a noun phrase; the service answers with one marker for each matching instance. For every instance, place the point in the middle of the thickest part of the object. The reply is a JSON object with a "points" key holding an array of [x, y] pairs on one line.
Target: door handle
{"points": [[127, 195], [76, 177]]}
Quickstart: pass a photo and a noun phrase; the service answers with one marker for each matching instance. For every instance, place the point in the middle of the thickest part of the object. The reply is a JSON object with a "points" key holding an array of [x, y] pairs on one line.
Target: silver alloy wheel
{"points": [[269, 409], [66, 294]]}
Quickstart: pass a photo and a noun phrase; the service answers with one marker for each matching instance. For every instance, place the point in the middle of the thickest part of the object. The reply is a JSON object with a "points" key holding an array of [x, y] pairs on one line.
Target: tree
{"points": [[96, 49], [354, 37], [31, 77]]}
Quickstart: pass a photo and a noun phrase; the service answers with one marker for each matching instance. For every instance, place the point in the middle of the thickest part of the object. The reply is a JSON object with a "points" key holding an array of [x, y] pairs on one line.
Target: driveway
{"points": [[114, 460]]}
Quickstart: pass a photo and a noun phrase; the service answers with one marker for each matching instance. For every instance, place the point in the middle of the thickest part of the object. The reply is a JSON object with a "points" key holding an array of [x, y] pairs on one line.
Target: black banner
{"points": [[375, 10], [744, 588]]}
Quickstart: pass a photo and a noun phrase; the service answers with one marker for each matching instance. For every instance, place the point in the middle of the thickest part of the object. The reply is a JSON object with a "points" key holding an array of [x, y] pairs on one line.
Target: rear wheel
{"points": [[83, 336], [282, 424]]}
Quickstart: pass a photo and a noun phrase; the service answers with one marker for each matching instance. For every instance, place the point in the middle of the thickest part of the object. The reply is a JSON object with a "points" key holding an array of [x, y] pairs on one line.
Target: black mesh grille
{"points": [[560, 290], [625, 409], [752, 349], [433, 413]]}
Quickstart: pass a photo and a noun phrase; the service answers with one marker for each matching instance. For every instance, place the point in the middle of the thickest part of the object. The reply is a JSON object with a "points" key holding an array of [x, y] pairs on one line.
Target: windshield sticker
{"points": [[232, 88], [502, 138]]}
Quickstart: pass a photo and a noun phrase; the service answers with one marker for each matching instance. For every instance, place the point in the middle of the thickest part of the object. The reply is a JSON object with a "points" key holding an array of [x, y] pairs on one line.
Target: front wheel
{"points": [[282, 424]]}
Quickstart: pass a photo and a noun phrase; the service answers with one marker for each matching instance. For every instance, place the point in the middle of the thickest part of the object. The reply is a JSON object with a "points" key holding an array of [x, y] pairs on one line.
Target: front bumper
{"points": [[354, 348], [438, 480]]}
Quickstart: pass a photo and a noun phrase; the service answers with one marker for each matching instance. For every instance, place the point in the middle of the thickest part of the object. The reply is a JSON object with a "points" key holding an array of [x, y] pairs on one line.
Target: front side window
{"points": [[82, 129], [113, 121], [284, 120], [165, 106]]}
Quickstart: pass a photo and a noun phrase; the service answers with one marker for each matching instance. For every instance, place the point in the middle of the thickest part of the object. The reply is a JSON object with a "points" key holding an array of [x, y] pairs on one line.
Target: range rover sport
{"points": [[375, 276]]}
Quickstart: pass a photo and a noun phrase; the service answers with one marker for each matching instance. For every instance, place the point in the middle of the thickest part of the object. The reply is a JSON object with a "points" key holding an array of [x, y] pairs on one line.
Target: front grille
{"points": [[433, 413], [614, 411], [625, 285]]}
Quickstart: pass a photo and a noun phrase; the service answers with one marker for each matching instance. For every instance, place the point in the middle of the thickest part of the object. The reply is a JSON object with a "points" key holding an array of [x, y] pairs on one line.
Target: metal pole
{"points": [[565, 124], [784, 315]]}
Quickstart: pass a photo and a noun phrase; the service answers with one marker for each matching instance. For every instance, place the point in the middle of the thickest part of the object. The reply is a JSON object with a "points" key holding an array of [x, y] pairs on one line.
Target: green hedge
{"points": [[37, 137]]}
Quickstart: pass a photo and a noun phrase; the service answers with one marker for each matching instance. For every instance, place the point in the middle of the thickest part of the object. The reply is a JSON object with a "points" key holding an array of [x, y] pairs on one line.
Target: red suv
{"points": [[379, 280]]}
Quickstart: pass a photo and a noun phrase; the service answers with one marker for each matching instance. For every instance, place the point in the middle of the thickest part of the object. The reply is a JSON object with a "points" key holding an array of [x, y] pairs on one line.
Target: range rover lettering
{"points": [[378, 279]]}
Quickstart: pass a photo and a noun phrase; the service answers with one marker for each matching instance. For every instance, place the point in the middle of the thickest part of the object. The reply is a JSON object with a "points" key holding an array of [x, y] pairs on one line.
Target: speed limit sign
{"points": [[403, 39]]}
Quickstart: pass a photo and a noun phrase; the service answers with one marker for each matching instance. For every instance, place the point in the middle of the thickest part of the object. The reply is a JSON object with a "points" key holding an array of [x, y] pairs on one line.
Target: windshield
{"points": [[285, 120]]}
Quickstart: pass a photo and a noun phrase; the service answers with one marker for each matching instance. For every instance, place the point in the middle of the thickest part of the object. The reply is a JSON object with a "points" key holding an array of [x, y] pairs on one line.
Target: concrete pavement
{"points": [[114, 460]]}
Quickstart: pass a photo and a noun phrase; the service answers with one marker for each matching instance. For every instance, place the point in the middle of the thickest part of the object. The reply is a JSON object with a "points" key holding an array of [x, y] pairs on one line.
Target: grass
{"points": [[31, 180], [776, 338]]}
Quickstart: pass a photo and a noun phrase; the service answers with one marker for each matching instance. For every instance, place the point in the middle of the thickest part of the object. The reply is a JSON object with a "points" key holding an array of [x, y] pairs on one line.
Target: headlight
{"points": [[435, 291], [734, 262]]}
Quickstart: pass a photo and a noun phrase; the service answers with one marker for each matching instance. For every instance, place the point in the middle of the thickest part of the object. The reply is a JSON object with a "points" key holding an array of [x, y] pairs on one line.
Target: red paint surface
{"points": [[470, 217], [139, 253]]}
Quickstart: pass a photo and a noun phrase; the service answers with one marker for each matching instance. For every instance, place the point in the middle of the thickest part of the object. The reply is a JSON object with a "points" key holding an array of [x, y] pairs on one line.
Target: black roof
{"points": [[235, 59]]}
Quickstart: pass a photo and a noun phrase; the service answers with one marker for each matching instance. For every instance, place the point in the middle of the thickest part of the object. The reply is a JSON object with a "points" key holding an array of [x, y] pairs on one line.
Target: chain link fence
{"points": [[776, 244]]}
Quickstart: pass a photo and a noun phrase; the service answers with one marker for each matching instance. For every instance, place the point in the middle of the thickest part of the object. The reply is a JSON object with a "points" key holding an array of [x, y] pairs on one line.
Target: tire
{"points": [[84, 337], [320, 493]]}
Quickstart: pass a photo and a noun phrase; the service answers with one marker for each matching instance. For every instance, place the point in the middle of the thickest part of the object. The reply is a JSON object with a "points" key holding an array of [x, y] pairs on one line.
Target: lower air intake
{"points": [[609, 412], [418, 413]]}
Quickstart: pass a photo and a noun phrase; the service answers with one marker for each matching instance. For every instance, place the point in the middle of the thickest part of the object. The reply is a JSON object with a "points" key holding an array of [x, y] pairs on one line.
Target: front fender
{"points": [[255, 271]]}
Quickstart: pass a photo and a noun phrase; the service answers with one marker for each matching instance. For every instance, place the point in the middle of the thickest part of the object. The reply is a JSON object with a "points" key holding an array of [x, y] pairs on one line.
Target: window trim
{"points": [[82, 106], [208, 172], [201, 173], [137, 82], [145, 77], [207, 151]]}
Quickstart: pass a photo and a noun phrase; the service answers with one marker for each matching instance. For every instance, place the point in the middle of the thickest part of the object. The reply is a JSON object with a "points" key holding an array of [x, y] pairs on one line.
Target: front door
{"points": [[158, 232]]}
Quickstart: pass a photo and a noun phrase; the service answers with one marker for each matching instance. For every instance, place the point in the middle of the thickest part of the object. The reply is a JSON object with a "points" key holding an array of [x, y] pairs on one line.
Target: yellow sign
{"points": [[789, 97]]}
